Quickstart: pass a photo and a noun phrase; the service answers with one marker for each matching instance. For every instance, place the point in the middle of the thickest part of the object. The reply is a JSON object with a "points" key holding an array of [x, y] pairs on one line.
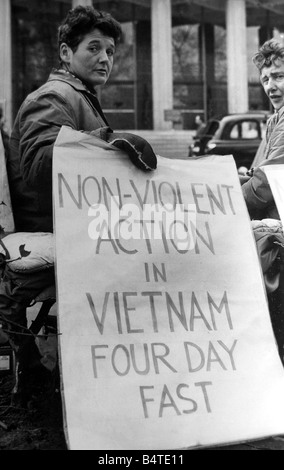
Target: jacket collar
{"points": [[68, 77], [280, 112]]}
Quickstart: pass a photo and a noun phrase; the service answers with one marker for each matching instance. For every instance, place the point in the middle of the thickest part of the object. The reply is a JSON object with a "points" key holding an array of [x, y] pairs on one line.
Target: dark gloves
{"points": [[138, 149]]}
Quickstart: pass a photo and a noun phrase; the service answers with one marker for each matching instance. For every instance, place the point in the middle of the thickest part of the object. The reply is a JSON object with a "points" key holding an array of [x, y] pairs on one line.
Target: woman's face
{"points": [[93, 59], [272, 79]]}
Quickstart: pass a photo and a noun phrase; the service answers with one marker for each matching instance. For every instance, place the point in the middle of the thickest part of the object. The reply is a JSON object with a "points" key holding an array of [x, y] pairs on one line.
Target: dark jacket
{"points": [[257, 193], [62, 100]]}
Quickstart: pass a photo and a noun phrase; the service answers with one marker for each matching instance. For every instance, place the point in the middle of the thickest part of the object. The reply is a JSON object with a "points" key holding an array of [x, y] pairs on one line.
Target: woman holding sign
{"points": [[87, 40], [257, 191]]}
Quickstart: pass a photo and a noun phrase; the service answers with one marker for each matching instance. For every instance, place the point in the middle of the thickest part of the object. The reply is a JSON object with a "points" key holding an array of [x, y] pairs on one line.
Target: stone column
{"points": [[237, 56], [162, 72], [6, 61], [144, 76], [207, 63]]}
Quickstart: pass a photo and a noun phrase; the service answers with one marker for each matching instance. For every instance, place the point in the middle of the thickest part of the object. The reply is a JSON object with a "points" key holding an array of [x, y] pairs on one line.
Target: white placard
{"points": [[166, 340]]}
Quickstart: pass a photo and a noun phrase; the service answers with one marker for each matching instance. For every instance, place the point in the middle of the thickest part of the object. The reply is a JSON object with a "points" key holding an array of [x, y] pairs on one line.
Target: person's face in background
{"points": [[272, 79], [93, 59]]}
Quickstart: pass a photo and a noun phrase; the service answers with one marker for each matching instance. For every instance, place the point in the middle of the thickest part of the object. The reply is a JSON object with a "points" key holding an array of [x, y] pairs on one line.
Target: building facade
{"points": [[177, 59]]}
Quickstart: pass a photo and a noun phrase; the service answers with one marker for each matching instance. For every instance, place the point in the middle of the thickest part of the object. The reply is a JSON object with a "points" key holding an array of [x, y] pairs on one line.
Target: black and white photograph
{"points": [[141, 227]]}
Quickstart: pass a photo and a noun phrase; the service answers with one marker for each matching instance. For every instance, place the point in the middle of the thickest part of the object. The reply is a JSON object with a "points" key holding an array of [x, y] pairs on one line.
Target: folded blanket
{"points": [[28, 251]]}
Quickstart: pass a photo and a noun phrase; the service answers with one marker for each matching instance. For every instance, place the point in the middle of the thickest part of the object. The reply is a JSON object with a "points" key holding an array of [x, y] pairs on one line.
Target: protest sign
{"points": [[275, 176], [165, 335]]}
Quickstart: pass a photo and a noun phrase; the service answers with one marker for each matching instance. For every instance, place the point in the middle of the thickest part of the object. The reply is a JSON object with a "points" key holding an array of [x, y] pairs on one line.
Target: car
{"points": [[238, 135]]}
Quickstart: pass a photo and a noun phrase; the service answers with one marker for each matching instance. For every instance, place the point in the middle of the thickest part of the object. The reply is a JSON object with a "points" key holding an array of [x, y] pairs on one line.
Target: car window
{"points": [[235, 132], [245, 130], [250, 130]]}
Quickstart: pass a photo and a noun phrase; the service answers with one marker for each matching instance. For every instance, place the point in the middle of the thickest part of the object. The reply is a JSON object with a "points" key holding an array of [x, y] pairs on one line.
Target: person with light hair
{"points": [[266, 224], [256, 190]]}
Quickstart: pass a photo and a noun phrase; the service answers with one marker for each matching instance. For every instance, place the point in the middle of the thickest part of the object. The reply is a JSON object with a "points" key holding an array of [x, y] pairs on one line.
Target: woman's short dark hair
{"points": [[268, 53], [82, 20]]}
